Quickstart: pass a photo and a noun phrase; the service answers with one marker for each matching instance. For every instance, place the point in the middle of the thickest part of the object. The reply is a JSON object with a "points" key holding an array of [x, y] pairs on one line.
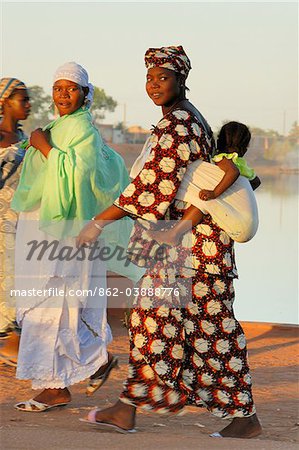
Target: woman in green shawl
{"points": [[68, 174]]}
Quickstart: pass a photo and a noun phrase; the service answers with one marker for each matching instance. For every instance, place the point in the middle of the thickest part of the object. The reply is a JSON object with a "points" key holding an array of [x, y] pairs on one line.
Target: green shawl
{"points": [[81, 177]]}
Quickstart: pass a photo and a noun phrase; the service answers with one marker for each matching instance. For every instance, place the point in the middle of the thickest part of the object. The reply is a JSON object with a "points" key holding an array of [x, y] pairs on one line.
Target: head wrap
{"points": [[173, 58], [74, 72], [7, 86]]}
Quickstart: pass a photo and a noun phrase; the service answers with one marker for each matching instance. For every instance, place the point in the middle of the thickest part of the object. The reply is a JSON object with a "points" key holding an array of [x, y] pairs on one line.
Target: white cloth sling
{"points": [[235, 211]]}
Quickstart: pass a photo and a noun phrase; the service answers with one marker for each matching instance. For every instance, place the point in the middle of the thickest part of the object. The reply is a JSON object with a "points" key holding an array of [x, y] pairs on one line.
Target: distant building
{"points": [[116, 135], [136, 135], [106, 132]]}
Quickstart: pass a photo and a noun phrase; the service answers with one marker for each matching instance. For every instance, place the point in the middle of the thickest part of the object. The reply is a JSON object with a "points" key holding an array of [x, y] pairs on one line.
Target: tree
{"points": [[41, 109], [294, 133], [101, 103], [40, 102], [120, 126], [255, 131]]}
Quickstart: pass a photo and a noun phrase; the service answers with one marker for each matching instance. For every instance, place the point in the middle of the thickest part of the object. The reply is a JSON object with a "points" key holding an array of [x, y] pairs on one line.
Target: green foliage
{"points": [[41, 109], [255, 131], [39, 100], [101, 103], [120, 126], [294, 133]]}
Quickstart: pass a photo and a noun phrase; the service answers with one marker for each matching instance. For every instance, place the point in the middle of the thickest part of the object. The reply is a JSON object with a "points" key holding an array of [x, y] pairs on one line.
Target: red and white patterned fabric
{"points": [[194, 355], [197, 353], [172, 57], [176, 141]]}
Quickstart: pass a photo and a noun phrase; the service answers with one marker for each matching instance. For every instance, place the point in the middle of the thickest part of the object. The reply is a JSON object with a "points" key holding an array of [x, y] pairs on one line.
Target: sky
{"points": [[243, 54]]}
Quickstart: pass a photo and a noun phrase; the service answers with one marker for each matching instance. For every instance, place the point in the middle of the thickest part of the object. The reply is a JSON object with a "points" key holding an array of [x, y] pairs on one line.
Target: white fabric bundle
{"points": [[235, 211]]}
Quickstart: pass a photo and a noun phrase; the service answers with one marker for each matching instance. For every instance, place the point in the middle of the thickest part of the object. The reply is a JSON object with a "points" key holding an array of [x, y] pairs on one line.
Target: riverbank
{"points": [[273, 351], [263, 168]]}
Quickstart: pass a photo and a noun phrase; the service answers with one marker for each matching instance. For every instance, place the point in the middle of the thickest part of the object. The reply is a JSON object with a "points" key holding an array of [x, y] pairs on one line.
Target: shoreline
{"points": [[264, 168]]}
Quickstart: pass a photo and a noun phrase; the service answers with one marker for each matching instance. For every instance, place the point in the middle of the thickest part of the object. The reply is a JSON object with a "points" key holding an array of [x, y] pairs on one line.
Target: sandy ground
{"points": [[273, 351]]}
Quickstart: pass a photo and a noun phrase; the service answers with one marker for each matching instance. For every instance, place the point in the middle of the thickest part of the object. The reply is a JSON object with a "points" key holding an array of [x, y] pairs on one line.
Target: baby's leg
{"points": [[191, 217]]}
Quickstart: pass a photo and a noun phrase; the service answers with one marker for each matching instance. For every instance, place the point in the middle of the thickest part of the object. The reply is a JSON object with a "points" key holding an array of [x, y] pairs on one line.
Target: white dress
{"points": [[64, 326]]}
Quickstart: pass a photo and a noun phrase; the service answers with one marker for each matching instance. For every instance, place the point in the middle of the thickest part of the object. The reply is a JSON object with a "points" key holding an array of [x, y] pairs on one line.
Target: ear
{"points": [[6, 103]]}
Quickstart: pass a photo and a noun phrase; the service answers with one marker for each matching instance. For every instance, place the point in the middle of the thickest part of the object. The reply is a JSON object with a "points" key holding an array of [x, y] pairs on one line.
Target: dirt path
{"points": [[273, 357]]}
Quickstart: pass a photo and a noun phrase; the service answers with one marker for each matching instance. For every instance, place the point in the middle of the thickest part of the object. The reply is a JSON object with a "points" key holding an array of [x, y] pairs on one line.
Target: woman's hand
{"points": [[88, 234], [39, 139], [94, 228], [207, 195]]}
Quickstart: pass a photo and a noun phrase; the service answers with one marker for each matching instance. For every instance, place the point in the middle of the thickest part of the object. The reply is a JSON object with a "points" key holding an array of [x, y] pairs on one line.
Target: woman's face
{"points": [[162, 86], [68, 96], [18, 104]]}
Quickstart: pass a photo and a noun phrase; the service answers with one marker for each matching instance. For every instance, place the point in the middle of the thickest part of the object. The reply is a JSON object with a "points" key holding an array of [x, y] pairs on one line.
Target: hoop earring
{"points": [[86, 103]]}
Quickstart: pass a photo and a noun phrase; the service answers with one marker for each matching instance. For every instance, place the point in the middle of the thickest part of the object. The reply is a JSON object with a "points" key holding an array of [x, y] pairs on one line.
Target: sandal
{"points": [[95, 383], [5, 334], [9, 360], [91, 420], [34, 406], [216, 435]]}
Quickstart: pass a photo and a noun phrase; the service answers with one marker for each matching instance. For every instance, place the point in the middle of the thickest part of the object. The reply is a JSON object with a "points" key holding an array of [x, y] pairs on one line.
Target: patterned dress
{"points": [[195, 354], [10, 169]]}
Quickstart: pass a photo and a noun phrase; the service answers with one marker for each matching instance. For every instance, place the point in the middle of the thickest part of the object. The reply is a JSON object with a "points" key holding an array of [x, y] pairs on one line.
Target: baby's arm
{"points": [[255, 183], [231, 173]]}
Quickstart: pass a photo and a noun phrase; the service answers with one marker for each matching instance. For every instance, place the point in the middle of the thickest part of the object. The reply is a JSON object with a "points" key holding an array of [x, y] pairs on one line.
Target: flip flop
{"points": [[5, 335], [91, 420], [95, 383], [34, 406], [216, 435], [9, 360]]}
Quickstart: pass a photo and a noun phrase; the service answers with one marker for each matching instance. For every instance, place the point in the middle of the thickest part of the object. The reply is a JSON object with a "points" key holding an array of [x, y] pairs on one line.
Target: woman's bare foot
{"points": [[165, 237], [120, 414], [54, 396], [243, 427]]}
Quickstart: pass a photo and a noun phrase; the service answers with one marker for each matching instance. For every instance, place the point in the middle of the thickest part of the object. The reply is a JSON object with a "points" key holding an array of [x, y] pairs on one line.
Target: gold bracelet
{"points": [[97, 225]]}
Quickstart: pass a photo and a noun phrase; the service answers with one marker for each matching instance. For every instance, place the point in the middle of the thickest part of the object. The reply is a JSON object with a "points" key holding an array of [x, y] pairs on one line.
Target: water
{"points": [[267, 289]]}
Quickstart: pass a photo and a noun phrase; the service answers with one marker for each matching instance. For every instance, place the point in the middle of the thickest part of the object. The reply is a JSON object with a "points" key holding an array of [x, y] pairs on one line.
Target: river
{"points": [[267, 289]]}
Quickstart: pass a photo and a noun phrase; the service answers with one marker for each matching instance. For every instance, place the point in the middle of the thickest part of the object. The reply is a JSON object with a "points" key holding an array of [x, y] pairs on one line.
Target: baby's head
{"points": [[233, 137]]}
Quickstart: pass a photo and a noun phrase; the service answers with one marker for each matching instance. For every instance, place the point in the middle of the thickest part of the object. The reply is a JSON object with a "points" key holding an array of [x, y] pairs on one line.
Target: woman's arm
{"points": [[110, 214], [231, 173], [94, 228]]}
